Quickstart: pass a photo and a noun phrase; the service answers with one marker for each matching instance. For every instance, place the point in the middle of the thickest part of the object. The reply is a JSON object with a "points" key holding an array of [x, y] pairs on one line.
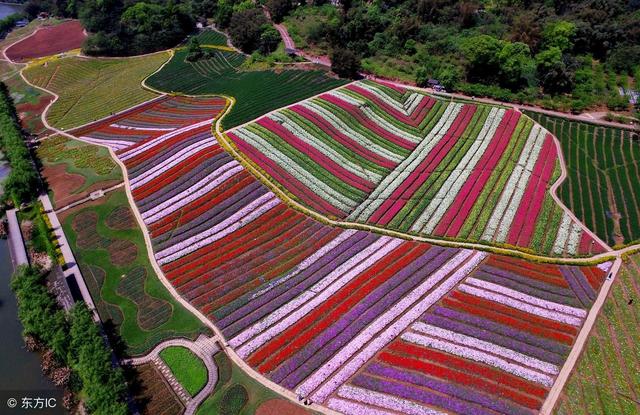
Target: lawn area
{"points": [[603, 184], [607, 377], [110, 249], [93, 88], [236, 393], [188, 368], [256, 91], [74, 169]]}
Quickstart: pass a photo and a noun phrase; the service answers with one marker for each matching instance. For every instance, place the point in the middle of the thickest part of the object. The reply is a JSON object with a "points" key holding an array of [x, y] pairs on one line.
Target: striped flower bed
{"points": [[399, 159], [493, 344], [356, 321], [161, 117]]}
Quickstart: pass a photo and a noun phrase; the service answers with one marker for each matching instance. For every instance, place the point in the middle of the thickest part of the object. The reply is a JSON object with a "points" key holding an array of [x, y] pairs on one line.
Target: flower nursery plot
{"points": [[604, 178], [357, 321], [48, 40], [399, 159]]}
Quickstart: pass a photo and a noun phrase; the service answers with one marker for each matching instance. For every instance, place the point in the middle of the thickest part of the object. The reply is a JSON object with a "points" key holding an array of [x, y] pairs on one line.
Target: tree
{"points": [[516, 67], [345, 63], [269, 39], [279, 9], [553, 73], [559, 34], [195, 50], [481, 53], [246, 27]]}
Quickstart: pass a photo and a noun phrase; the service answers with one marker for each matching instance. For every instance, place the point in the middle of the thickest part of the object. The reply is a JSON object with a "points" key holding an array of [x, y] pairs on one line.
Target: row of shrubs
{"points": [[74, 341], [22, 183]]}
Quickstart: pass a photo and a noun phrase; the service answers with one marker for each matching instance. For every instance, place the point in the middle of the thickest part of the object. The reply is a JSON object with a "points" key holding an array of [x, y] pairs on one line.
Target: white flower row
{"points": [[479, 356], [407, 108], [341, 126], [373, 116], [154, 142], [202, 187], [520, 305], [352, 408], [383, 400], [408, 309], [431, 216], [563, 234], [573, 241], [287, 315], [236, 221], [170, 162], [485, 346], [325, 149], [511, 185], [562, 308], [115, 145], [605, 266], [307, 262], [132, 127], [323, 190], [390, 183]]}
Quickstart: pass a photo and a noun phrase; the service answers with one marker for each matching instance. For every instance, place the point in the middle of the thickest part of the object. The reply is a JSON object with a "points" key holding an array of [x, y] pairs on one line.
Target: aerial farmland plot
{"points": [[261, 237], [356, 320]]}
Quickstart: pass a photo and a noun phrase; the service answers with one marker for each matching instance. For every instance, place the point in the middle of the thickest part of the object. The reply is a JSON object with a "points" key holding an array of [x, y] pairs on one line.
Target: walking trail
{"points": [[204, 347], [567, 367]]}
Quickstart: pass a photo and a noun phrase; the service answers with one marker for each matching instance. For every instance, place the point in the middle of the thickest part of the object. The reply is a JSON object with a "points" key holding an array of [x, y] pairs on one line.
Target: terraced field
{"points": [[48, 41], [91, 89], [212, 38], [401, 160], [256, 92], [346, 318], [607, 377], [603, 187]]}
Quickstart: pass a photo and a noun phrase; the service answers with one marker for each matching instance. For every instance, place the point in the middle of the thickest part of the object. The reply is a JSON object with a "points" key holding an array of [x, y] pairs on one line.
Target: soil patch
{"points": [[62, 184], [121, 219], [122, 252], [84, 224], [153, 395], [280, 407], [48, 41]]}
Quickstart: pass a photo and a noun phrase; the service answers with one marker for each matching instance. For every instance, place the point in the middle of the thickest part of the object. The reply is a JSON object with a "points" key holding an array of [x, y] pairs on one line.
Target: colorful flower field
{"points": [[383, 155], [356, 321], [47, 41]]}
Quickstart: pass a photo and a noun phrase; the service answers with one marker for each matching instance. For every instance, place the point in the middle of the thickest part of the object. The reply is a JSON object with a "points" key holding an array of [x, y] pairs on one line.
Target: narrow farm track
{"points": [[566, 369]]}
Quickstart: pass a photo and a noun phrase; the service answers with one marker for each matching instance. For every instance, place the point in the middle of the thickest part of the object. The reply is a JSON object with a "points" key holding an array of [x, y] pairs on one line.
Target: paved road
{"points": [[18, 251]]}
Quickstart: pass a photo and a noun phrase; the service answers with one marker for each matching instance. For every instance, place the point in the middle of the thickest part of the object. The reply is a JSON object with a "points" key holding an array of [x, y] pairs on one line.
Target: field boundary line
{"points": [[581, 340]]}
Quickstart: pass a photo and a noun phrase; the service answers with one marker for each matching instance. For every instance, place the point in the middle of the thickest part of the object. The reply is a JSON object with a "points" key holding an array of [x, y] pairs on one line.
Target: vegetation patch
{"points": [[121, 219], [607, 376], [187, 368], [152, 312], [236, 393], [122, 252], [48, 41], [91, 89], [141, 299], [256, 92], [603, 183], [153, 395]]}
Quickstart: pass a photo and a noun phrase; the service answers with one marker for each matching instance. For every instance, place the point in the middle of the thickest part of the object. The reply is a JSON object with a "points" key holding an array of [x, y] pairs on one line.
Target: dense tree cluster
{"points": [[519, 49], [22, 183], [75, 340], [123, 27]]}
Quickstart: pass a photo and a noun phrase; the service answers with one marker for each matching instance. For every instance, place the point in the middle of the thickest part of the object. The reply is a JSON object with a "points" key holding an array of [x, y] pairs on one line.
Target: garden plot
{"points": [[401, 160], [316, 308]]}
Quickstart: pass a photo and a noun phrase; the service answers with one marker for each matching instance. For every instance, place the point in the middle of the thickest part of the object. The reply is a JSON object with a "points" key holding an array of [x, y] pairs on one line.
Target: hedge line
{"points": [[22, 183]]}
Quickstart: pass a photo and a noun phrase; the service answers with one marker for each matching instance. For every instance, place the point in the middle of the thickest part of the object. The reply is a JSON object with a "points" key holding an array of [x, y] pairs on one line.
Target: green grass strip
{"points": [[187, 368]]}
